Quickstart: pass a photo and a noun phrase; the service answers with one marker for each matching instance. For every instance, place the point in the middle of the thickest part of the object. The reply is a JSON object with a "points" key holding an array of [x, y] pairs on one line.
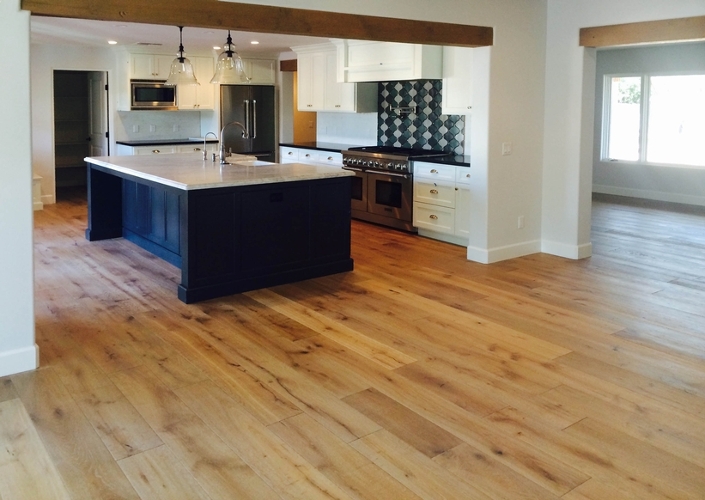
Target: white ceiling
{"points": [[52, 30]]}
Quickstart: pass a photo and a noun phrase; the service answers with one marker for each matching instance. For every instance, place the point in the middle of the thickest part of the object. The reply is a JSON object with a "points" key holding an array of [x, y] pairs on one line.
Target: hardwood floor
{"points": [[418, 375]]}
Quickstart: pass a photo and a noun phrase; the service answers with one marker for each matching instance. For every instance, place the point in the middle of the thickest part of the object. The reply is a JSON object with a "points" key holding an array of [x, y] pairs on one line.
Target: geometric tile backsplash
{"points": [[423, 126]]}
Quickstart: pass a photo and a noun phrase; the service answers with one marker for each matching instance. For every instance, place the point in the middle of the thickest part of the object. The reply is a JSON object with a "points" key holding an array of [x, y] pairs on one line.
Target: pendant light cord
{"points": [[181, 44]]}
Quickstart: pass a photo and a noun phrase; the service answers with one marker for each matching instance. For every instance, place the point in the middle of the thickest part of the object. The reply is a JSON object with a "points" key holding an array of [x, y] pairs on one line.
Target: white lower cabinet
{"points": [[123, 150], [442, 202], [288, 154]]}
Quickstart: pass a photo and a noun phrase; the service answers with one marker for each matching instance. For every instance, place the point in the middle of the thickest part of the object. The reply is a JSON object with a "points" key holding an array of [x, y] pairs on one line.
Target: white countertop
{"points": [[189, 171]]}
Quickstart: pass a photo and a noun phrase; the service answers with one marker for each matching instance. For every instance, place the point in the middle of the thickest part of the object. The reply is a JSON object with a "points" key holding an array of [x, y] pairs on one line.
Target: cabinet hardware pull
{"points": [[156, 151], [290, 153], [330, 158], [434, 171], [434, 191], [467, 175], [433, 217]]}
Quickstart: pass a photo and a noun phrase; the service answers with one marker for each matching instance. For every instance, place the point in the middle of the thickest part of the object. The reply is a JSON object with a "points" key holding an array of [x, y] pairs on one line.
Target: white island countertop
{"points": [[189, 171]]}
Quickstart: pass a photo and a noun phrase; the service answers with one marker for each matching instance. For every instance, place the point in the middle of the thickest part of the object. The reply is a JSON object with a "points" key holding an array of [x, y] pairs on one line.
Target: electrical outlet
{"points": [[506, 148], [152, 128], [520, 222], [310, 124], [175, 127], [135, 128]]}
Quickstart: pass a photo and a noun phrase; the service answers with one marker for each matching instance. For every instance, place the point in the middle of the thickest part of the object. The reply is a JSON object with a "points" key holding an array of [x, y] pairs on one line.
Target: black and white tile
{"points": [[425, 126]]}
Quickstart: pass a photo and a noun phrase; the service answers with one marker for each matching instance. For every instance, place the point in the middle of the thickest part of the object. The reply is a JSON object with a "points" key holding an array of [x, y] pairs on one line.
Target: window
{"points": [[655, 119]]}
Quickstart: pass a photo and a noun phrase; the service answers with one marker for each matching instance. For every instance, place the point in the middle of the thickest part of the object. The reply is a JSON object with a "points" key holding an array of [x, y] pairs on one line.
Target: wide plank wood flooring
{"points": [[419, 375]]}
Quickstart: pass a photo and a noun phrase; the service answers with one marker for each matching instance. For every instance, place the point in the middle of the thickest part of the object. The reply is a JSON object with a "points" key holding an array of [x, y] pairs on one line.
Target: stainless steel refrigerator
{"points": [[253, 106]]}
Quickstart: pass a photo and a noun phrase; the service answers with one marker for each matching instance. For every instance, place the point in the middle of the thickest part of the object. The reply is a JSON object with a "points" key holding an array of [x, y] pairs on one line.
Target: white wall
{"points": [[44, 60], [509, 100], [18, 352], [671, 183], [569, 111]]}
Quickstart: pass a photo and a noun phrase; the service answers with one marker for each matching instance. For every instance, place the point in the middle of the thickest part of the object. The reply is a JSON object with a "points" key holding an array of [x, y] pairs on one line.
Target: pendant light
{"points": [[230, 68], [181, 69]]}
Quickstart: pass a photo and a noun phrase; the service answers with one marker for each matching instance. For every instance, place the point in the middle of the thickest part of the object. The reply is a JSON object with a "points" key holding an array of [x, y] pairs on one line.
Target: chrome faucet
{"points": [[205, 153], [245, 135]]}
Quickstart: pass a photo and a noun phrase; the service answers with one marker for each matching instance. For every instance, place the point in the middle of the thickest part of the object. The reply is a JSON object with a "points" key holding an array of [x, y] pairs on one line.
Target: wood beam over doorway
{"points": [[667, 30], [265, 19]]}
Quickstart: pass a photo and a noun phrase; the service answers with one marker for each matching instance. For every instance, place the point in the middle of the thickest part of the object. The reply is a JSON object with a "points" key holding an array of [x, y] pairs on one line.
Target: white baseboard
{"points": [[19, 360], [48, 199], [574, 252], [650, 195], [503, 253]]}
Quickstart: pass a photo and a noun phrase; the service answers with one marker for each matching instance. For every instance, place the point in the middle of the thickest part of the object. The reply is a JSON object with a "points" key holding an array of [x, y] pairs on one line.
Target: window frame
{"points": [[644, 121]]}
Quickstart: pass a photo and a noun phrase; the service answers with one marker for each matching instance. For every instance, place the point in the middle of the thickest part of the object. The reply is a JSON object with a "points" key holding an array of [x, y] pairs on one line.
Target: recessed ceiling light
{"points": [[215, 47], [122, 26], [112, 42], [254, 42]]}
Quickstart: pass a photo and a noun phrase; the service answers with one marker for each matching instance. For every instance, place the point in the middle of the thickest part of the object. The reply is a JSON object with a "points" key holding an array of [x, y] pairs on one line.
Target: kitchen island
{"points": [[229, 228]]}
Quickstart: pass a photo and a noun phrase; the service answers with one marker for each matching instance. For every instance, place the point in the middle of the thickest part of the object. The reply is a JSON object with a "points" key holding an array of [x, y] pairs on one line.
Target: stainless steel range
{"points": [[382, 190]]}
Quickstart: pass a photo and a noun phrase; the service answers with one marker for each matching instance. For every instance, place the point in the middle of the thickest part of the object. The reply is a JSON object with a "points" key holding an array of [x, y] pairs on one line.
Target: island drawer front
{"points": [[434, 171], [434, 218], [434, 193]]}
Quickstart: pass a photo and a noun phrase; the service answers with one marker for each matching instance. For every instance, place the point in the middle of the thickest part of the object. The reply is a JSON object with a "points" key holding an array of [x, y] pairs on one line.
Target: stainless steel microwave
{"points": [[151, 94]]}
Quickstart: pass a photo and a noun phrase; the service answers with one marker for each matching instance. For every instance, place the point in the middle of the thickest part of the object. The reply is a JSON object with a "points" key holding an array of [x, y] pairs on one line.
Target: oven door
{"points": [[358, 191], [390, 194]]}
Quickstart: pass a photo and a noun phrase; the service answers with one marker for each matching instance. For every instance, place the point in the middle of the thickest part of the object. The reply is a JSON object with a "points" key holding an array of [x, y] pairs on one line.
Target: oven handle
{"points": [[392, 174], [353, 169]]}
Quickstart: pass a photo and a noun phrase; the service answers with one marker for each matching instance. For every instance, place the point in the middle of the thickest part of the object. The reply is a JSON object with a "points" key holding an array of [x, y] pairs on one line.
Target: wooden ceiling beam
{"points": [[265, 19], [667, 30]]}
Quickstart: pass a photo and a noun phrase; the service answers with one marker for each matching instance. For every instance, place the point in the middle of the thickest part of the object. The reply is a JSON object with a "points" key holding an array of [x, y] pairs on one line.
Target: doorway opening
{"points": [[80, 127]]}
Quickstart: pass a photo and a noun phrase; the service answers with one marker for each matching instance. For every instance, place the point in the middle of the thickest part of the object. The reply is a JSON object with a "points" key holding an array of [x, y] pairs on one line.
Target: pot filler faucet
{"points": [[245, 135]]}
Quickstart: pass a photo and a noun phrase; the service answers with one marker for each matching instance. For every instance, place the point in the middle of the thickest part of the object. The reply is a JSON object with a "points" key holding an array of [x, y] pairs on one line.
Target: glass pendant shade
{"points": [[230, 68], [181, 72]]}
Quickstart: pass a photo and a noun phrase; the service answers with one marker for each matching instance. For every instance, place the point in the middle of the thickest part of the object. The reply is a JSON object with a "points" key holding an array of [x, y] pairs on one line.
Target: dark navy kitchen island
{"points": [[230, 229]]}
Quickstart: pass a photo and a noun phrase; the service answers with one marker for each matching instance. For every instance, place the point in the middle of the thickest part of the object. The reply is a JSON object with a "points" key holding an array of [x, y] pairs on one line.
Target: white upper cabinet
{"points": [[311, 71], [365, 61], [261, 71], [150, 66], [319, 88], [198, 96], [457, 81]]}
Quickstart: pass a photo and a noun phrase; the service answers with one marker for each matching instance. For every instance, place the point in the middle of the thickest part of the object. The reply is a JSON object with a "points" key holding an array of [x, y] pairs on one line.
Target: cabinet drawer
{"points": [[462, 175], [434, 218], [434, 171], [307, 155], [434, 193], [149, 150], [329, 158], [288, 155], [190, 149]]}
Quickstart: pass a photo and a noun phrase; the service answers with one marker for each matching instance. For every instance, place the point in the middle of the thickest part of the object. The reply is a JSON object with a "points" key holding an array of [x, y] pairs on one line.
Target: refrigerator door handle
{"points": [[247, 116], [254, 118]]}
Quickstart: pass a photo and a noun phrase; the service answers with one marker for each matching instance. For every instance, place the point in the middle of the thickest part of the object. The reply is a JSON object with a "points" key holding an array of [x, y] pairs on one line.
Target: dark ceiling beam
{"points": [[265, 19]]}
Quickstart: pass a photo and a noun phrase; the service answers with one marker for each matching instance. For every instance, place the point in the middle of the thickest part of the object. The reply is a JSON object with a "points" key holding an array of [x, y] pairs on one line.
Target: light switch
{"points": [[506, 148]]}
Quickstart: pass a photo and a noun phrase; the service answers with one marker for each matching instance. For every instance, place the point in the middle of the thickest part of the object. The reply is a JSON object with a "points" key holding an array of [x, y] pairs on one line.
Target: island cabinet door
{"points": [[330, 219], [152, 213], [275, 227], [212, 247]]}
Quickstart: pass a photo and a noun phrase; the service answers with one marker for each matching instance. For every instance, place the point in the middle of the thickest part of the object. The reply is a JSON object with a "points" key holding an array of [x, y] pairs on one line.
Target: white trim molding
{"points": [[650, 195], [503, 253], [19, 360], [574, 252]]}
